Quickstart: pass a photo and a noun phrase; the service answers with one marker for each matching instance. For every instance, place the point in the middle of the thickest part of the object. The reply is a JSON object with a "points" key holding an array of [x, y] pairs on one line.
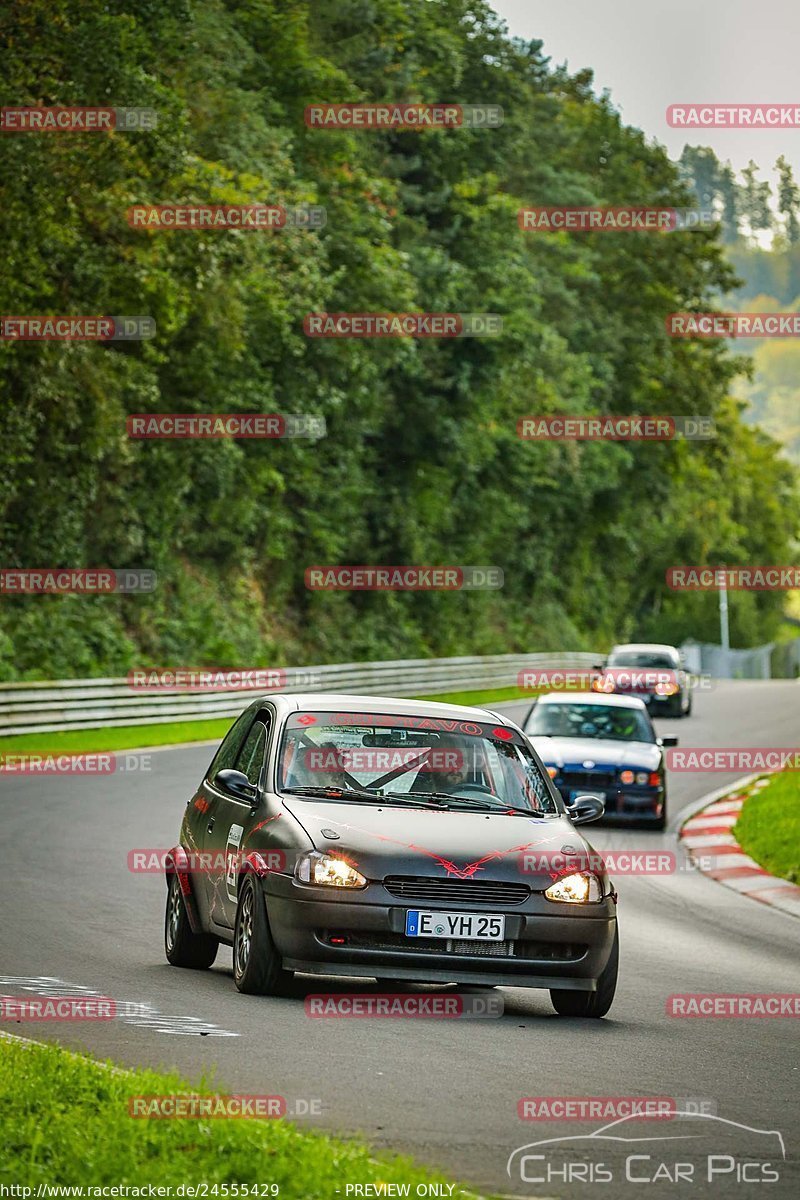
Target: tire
{"points": [[182, 946], [688, 712], [591, 1004], [660, 823], [257, 965]]}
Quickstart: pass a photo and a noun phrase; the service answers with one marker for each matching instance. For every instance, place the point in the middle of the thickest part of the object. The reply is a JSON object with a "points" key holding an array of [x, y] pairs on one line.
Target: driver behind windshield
{"points": [[450, 778]]}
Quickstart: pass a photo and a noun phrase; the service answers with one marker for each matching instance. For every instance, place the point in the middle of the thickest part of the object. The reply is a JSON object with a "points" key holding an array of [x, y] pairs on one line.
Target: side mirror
{"points": [[585, 808], [669, 739], [599, 667], [236, 783]]}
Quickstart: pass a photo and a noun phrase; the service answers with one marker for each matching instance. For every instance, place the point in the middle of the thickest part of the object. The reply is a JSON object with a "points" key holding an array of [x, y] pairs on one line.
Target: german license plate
{"points": [[473, 927]]}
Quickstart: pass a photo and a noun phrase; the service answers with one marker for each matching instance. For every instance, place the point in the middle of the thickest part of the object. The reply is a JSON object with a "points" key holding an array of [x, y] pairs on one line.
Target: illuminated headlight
{"points": [[552, 772], [604, 683], [641, 777], [327, 870], [581, 888], [666, 689]]}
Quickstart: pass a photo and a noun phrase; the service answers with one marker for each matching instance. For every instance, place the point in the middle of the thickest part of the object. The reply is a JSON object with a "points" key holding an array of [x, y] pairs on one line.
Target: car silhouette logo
{"points": [[604, 1134]]}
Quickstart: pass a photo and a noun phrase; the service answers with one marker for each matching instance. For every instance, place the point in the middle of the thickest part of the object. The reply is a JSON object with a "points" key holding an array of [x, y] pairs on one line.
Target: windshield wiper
{"points": [[334, 792], [412, 799], [499, 808], [471, 802]]}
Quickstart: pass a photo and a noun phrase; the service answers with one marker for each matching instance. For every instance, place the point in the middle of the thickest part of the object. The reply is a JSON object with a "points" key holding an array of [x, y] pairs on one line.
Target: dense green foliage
{"points": [[421, 463]]}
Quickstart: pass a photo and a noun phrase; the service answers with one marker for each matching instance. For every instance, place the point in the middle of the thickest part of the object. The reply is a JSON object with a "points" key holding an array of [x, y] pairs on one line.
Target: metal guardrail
{"points": [[774, 660], [58, 705]]}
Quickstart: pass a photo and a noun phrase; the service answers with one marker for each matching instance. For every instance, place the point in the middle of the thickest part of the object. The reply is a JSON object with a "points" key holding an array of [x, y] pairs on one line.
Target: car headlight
{"points": [[650, 778], [666, 689], [328, 870], [552, 771], [581, 888], [603, 683]]}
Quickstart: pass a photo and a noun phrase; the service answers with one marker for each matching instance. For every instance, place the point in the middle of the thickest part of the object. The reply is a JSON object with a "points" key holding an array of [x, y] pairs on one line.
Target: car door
{"points": [[204, 806], [230, 822]]}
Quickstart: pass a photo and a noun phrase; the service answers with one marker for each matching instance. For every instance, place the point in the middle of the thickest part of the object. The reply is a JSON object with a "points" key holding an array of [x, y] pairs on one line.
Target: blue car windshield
{"points": [[590, 721]]}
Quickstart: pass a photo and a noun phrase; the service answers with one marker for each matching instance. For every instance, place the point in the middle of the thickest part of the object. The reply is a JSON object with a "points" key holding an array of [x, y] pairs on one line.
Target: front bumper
{"points": [[622, 804], [547, 944]]}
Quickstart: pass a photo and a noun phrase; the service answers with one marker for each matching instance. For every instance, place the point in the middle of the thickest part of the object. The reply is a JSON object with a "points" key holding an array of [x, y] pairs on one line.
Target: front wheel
{"points": [[257, 965], [182, 946], [591, 1004]]}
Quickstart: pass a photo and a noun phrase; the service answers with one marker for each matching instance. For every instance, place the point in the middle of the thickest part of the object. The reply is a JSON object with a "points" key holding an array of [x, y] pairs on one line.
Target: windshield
{"points": [[641, 658], [590, 721], [402, 759]]}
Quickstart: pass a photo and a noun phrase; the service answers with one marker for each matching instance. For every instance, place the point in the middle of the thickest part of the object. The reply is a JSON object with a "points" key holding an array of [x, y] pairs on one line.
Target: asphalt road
{"points": [[444, 1091]]}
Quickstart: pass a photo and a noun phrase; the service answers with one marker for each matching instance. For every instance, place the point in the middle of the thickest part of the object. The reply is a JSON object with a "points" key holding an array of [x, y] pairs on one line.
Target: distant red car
{"points": [[651, 671]]}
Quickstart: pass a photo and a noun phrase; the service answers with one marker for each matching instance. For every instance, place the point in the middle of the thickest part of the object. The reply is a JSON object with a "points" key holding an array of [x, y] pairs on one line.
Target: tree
{"points": [[755, 200], [788, 200]]}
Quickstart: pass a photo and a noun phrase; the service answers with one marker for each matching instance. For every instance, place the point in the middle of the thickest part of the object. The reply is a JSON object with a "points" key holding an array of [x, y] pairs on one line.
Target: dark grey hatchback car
{"points": [[390, 839]]}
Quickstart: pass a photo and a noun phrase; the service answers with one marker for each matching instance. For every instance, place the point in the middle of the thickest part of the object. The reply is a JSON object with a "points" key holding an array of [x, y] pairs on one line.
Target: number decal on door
{"points": [[232, 859]]}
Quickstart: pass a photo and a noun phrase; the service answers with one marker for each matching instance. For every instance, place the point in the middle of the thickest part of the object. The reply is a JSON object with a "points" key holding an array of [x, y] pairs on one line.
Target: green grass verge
{"points": [[768, 828], [496, 696], [64, 1119], [125, 737]]}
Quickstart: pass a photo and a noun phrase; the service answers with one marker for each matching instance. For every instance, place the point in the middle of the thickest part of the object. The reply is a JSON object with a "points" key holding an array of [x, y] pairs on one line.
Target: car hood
{"points": [[603, 752], [389, 840]]}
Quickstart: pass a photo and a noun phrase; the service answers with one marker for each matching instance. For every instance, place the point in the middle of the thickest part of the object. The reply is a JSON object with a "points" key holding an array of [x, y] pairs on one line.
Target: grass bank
{"points": [[768, 828], [64, 1119]]}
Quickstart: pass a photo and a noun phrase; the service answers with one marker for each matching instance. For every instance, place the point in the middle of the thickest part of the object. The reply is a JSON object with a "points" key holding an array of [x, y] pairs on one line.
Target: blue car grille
{"points": [[591, 780]]}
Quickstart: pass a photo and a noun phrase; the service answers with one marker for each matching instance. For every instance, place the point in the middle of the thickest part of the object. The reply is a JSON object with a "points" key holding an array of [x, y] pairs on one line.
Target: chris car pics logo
{"points": [[692, 1147]]}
